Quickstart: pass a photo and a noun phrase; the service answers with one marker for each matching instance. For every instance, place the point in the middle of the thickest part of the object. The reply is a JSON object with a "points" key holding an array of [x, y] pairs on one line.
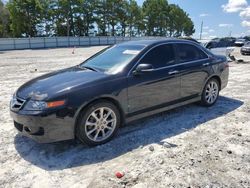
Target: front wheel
{"points": [[210, 93], [98, 123]]}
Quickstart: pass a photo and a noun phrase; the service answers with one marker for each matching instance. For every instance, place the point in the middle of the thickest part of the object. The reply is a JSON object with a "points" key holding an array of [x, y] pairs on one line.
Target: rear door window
{"points": [[188, 52], [160, 56]]}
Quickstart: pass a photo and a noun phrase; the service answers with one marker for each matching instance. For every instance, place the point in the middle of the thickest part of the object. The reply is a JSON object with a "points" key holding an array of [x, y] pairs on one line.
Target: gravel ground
{"points": [[191, 146]]}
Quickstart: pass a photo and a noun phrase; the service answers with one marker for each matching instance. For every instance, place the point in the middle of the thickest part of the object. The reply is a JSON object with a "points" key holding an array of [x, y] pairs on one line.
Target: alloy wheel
{"points": [[212, 91], [100, 124]]}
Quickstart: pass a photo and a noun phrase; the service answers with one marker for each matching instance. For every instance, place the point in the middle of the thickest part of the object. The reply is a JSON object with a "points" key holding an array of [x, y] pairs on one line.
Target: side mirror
{"points": [[143, 68]]}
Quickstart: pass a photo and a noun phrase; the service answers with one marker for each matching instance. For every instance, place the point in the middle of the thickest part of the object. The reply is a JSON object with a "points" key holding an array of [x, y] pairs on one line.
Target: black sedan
{"points": [[245, 50], [121, 83], [240, 42]]}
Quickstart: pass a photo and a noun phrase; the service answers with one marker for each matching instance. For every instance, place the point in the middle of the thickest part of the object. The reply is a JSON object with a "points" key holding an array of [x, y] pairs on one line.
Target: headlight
{"points": [[41, 105], [35, 105]]}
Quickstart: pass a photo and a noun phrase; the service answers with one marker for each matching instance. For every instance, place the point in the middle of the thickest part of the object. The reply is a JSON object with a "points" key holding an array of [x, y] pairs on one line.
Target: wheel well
{"points": [[218, 79], [113, 101]]}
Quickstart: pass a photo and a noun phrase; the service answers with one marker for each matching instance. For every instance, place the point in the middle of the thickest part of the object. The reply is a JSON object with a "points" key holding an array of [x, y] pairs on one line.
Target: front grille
{"points": [[17, 103], [18, 126], [246, 50]]}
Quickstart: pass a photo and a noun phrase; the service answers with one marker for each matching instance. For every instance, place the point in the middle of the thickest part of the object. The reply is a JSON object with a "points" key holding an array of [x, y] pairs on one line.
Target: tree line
{"points": [[31, 18]]}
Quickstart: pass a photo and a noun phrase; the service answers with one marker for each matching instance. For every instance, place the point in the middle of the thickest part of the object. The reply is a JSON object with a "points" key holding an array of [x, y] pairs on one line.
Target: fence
{"points": [[55, 42]]}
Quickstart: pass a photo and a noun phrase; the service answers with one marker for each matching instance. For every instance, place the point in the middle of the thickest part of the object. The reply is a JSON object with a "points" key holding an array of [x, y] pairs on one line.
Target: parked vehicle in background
{"points": [[245, 50], [220, 43], [121, 83], [240, 42], [223, 46]]}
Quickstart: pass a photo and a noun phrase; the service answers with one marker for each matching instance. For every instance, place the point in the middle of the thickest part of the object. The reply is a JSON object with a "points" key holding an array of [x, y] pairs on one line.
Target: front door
{"points": [[158, 87]]}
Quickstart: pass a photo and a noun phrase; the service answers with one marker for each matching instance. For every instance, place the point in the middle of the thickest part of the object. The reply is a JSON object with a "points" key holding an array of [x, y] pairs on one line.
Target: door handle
{"points": [[173, 72], [205, 64]]}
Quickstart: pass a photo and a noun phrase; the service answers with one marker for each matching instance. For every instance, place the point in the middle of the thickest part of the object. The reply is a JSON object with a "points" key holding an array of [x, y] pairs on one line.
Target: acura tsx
{"points": [[117, 85]]}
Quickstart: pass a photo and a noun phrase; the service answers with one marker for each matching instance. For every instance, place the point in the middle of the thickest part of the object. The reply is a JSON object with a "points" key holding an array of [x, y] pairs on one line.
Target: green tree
{"points": [[155, 16], [113, 6], [65, 22], [79, 17], [122, 14], [24, 15], [4, 21], [85, 16], [135, 18], [189, 27], [101, 12], [45, 24], [179, 22], [111, 14]]}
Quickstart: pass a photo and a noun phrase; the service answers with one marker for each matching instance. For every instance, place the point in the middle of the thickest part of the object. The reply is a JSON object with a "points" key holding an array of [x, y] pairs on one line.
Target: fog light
{"points": [[27, 129]]}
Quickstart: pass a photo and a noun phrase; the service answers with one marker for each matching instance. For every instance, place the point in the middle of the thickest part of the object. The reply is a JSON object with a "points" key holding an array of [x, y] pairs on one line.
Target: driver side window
{"points": [[160, 56]]}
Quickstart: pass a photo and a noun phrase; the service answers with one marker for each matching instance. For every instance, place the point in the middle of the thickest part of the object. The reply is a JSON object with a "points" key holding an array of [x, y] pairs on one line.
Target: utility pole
{"points": [[201, 29]]}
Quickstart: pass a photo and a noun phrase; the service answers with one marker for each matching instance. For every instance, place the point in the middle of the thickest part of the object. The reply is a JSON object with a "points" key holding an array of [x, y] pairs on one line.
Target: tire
{"points": [[210, 92], [98, 123]]}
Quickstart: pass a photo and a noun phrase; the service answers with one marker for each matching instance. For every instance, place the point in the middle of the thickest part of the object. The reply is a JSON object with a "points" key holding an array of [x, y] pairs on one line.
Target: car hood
{"points": [[58, 82]]}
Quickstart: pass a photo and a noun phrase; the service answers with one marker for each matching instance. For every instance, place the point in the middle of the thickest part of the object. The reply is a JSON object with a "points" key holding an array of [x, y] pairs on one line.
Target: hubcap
{"points": [[211, 92], [100, 124]]}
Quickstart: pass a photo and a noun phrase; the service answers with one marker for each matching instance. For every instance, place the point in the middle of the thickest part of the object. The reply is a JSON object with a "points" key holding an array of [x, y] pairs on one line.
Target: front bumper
{"points": [[244, 51], [43, 128]]}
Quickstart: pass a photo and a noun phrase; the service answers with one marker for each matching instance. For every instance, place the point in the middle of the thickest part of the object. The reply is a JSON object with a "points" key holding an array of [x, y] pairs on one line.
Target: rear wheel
{"points": [[210, 93], [98, 123]]}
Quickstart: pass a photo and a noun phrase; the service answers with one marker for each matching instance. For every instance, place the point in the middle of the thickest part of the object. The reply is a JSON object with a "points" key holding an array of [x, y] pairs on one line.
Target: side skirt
{"points": [[129, 119]]}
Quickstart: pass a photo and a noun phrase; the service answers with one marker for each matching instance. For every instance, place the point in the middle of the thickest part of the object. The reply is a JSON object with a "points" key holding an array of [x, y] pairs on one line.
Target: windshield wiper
{"points": [[87, 67]]}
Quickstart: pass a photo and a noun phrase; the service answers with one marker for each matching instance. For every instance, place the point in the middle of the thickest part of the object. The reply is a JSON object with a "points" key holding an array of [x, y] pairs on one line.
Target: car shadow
{"points": [[153, 129]]}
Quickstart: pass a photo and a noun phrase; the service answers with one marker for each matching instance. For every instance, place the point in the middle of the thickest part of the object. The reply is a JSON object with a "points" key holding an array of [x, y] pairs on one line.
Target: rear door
{"points": [[158, 87], [195, 68]]}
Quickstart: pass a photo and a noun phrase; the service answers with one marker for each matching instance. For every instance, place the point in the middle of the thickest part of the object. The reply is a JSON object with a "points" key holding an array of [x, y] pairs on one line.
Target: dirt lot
{"points": [[189, 146]]}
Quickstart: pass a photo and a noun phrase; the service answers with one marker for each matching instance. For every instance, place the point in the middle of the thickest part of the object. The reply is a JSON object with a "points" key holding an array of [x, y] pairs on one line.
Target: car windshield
{"points": [[113, 59]]}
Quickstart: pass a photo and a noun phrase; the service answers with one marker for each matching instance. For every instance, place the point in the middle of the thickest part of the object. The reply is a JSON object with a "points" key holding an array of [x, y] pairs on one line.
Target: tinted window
{"points": [[189, 52], [160, 56]]}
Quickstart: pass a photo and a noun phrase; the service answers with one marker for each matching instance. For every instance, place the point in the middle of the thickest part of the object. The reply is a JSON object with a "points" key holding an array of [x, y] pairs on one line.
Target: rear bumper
{"points": [[44, 129]]}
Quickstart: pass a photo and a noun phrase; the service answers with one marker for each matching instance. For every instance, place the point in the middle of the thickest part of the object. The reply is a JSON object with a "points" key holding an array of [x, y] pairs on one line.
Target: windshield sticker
{"points": [[131, 52]]}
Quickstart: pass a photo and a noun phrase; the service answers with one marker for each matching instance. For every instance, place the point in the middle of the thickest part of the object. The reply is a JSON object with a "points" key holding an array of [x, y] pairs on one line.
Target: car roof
{"points": [[150, 42]]}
